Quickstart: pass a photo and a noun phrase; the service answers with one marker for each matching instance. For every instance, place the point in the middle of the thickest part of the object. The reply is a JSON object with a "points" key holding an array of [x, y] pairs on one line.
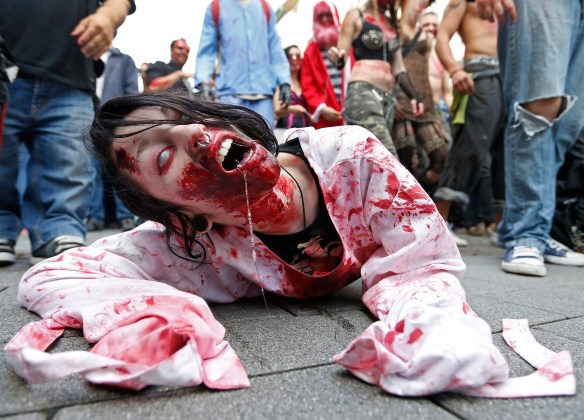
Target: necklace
{"points": [[301, 195]]}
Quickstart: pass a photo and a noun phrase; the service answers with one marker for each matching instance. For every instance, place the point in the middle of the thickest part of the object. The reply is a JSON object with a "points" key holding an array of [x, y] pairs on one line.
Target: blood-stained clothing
{"points": [[146, 308]]}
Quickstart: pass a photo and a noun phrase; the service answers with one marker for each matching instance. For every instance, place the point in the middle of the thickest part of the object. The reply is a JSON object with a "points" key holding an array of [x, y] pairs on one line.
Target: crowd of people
{"points": [[292, 171]]}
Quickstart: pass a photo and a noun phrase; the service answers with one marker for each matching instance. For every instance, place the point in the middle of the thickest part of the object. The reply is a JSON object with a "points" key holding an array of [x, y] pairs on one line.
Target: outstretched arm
{"points": [[428, 340], [124, 292]]}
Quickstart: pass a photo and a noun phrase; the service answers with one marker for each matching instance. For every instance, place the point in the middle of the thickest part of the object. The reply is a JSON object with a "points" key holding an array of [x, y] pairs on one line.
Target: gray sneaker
{"points": [[93, 224], [55, 246], [127, 224], [7, 255]]}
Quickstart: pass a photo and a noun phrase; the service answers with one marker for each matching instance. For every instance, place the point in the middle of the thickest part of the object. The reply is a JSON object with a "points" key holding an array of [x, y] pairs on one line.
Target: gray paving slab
{"points": [[30, 416], [318, 393], [485, 276], [293, 342], [19, 397], [572, 329], [494, 311], [13, 315], [10, 276], [559, 299], [248, 309], [525, 408], [347, 299], [287, 351]]}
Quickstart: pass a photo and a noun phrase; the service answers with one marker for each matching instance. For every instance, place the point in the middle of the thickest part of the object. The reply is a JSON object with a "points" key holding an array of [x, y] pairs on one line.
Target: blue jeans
{"points": [[264, 107], [50, 118], [97, 207], [542, 56]]}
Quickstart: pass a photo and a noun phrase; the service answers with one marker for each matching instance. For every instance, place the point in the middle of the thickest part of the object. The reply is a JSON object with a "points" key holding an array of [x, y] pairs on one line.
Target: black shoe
{"points": [[93, 224], [7, 255], [55, 246], [577, 237], [127, 224]]}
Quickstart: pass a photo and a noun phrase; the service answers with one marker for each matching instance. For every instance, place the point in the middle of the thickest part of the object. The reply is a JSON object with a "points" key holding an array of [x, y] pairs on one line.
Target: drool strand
{"points": [[251, 237]]}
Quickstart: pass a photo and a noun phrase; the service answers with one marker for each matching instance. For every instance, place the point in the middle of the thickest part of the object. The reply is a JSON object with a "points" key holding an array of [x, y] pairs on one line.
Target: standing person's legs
{"points": [[59, 176], [570, 141], [431, 139], [535, 70], [570, 130], [372, 109], [15, 117], [473, 140]]}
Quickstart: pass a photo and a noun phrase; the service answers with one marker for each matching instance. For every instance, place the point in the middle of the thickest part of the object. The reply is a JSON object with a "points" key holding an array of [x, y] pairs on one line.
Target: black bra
{"points": [[370, 44]]}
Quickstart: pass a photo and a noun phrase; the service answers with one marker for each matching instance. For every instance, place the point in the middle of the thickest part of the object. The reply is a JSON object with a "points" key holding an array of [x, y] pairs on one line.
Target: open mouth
{"points": [[231, 154]]}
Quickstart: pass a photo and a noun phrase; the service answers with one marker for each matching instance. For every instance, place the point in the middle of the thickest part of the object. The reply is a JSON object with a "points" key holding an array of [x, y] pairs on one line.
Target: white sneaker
{"points": [[557, 253], [524, 260], [459, 241]]}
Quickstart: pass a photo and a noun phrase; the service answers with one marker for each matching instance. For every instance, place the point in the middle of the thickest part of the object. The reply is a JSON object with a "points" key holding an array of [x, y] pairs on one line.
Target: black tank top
{"points": [[290, 248], [370, 44]]}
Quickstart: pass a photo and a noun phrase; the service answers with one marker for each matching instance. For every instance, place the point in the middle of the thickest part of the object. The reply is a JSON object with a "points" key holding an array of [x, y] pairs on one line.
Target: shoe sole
{"points": [[529, 270], [6, 262], [7, 258], [562, 261]]}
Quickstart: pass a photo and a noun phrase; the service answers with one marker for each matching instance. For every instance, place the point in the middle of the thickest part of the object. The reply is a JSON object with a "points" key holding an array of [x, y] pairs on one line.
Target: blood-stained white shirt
{"points": [[125, 289]]}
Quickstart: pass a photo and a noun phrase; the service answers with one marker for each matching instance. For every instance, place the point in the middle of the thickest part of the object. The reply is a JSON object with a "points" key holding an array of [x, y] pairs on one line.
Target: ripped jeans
{"points": [[535, 65]]}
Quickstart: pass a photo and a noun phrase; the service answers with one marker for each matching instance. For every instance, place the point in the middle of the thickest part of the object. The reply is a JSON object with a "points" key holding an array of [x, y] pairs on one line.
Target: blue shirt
{"points": [[252, 59]]}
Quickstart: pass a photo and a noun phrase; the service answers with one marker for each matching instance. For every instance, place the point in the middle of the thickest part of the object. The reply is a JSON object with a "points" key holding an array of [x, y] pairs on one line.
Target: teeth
{"points": [[224, 149]]}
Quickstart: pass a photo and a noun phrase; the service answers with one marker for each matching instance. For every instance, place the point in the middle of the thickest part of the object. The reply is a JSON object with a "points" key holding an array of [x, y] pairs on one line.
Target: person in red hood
{"points": [[322, 83]]}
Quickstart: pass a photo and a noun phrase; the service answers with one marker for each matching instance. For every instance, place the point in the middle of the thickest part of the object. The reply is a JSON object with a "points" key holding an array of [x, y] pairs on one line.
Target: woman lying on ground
{"points": [[233, 216]]}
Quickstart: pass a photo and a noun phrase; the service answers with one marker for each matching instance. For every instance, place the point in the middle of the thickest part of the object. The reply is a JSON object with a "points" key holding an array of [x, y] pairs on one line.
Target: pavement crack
{"points": [[296, 369]]}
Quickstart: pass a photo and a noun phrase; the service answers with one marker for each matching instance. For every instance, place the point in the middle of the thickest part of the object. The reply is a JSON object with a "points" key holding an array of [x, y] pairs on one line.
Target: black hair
{"points": [[195, 109], [289, 47]]}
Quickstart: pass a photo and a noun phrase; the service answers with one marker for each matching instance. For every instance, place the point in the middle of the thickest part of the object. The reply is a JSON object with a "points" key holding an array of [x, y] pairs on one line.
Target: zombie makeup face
{"points": [[325, 25], [195, 166]]}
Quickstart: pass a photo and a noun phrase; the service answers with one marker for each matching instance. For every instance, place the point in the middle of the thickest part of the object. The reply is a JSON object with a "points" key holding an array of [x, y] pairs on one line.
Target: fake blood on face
{"points": [[127, 162]]}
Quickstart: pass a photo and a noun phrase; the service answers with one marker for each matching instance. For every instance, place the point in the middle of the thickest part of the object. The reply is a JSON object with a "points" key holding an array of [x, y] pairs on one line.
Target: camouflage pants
{"points": [[371, 108]]}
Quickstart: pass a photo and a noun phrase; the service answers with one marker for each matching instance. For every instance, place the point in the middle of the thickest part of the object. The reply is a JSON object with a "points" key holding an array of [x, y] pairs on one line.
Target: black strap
{"points": [[411, 44]]}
